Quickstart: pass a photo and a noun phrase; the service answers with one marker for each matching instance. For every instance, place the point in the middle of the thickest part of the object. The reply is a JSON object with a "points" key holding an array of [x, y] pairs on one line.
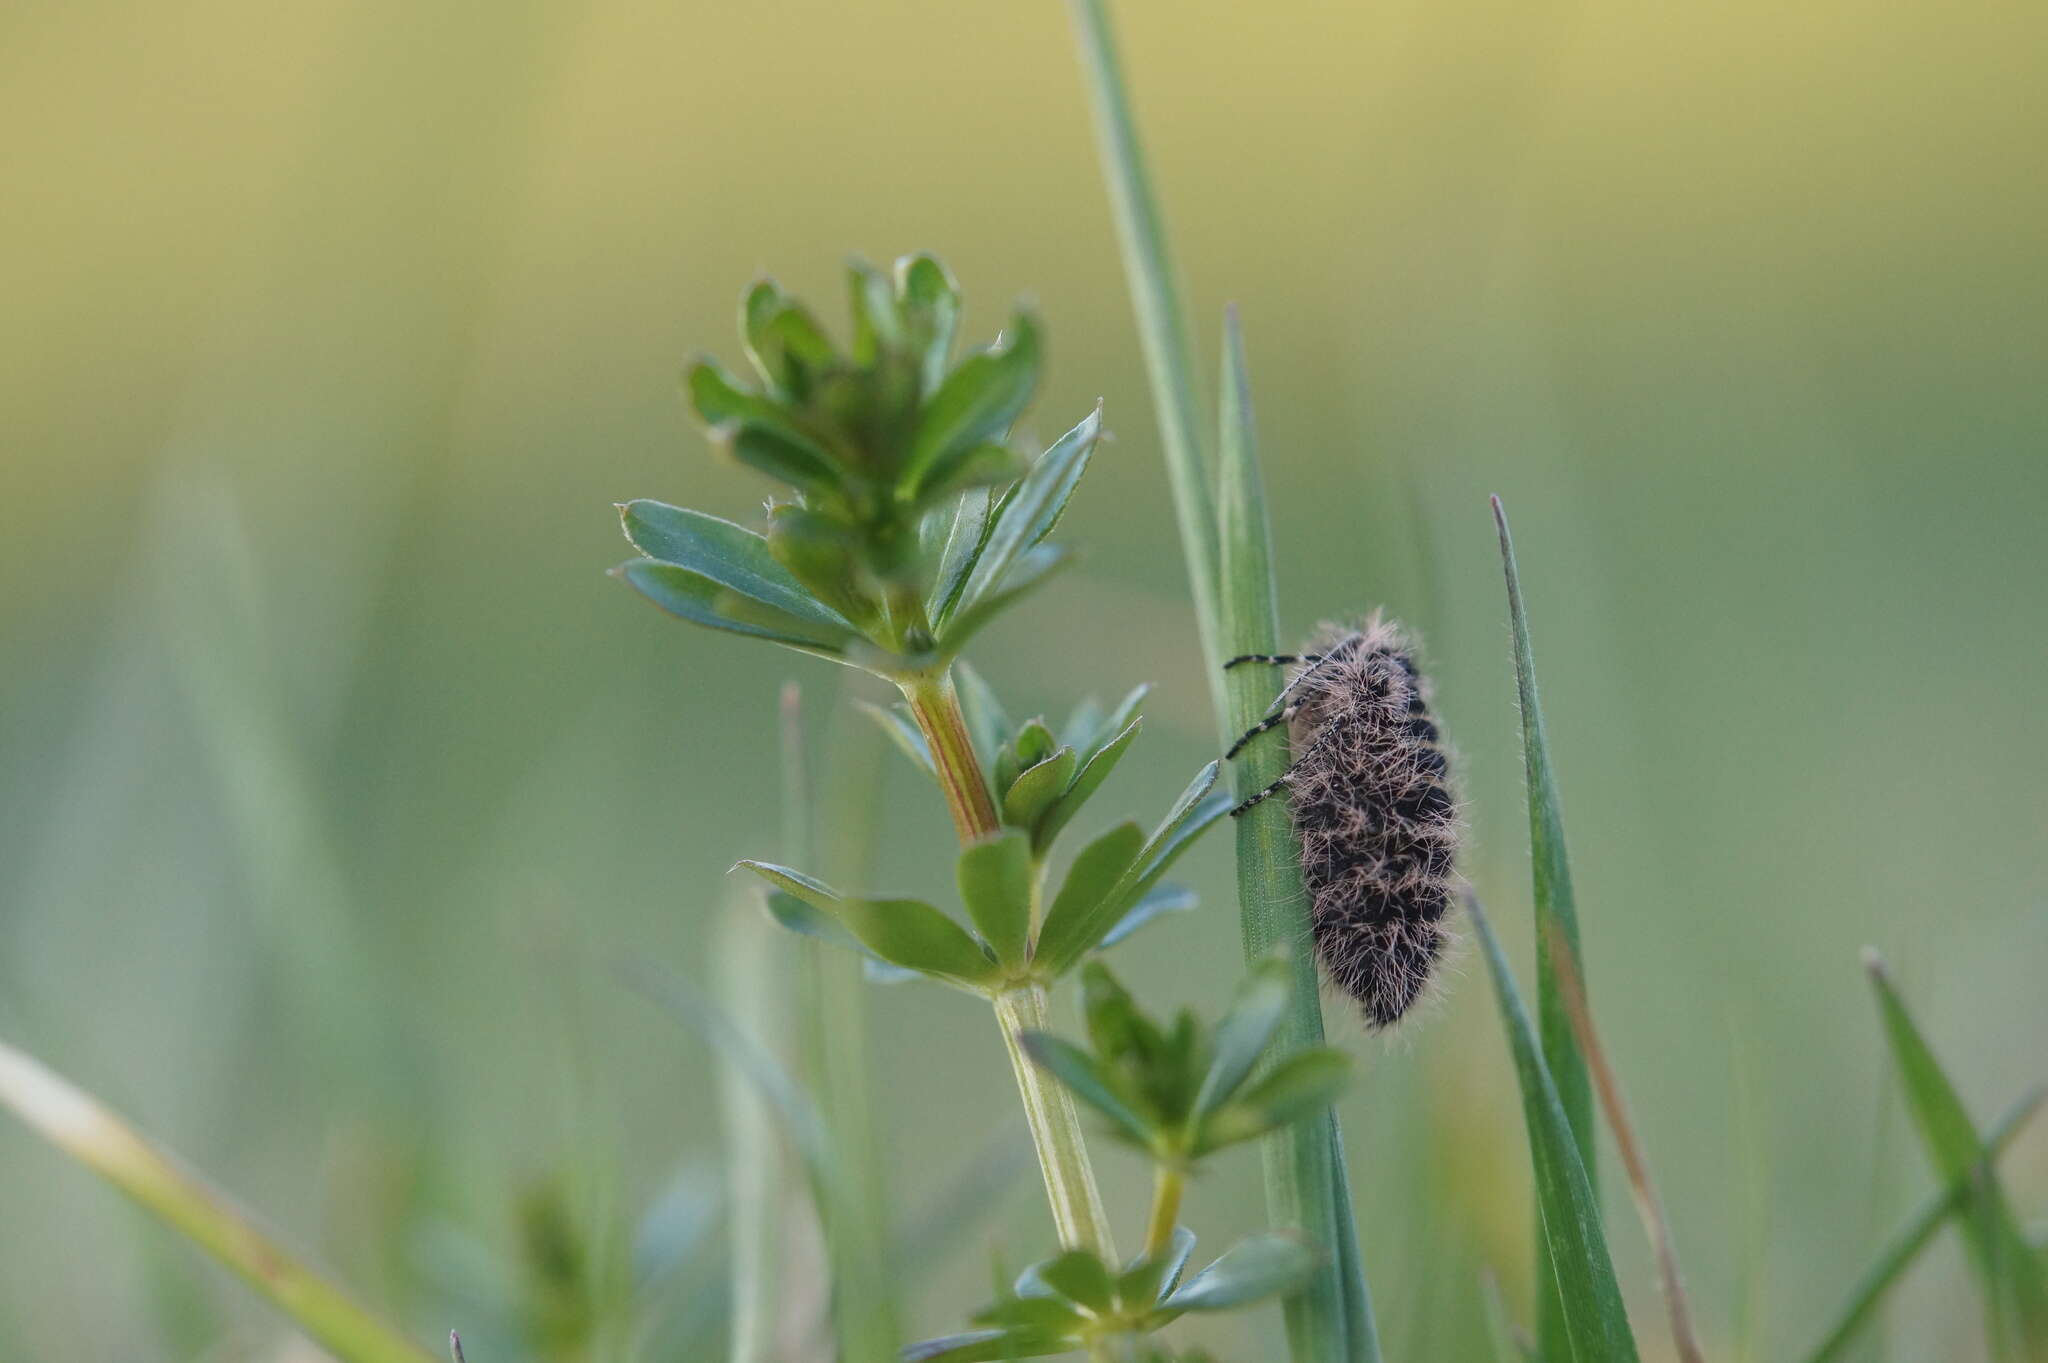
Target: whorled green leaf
{"points": [[985, 465], [1095, 875], [1556, 913], [1028, 512], [1297, 1087], [785, 343], [1256, 1267], [2015, 1286], [1243, 1033], [809, 889], [700, 600], [806, 920], [1158, 901], [995, 878], [988, 1346], [1591, 1314], [779, 453], [1031, 571], [1078, 1276], [1149, 1277], [895, 721], [929, 301], [730, 555], [877, 321], [1095, 769], [916, 936], [976, 403], [823, 556], [972, 515], [1085, 1078], [1037, 788]]}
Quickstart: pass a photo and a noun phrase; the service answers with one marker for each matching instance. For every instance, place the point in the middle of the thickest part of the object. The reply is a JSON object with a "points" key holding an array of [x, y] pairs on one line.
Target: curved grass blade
{"points": [[1595, 1325], [1918, 1232], [1306, 1184], [2015, 1284], [78, 1125], [1556, 915]]}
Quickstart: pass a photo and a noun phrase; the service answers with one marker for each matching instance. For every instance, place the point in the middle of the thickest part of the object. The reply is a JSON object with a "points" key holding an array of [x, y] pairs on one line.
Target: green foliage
{"points": [[1074, 1300], [1112, 889], [2012, 1276], [907, 521], [1183, 1091]]}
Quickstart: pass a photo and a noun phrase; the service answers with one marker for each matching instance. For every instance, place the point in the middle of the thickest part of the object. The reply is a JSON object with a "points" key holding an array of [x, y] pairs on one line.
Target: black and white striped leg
{"points": [[1257, 796], [1270, 722], [1269, 659]]}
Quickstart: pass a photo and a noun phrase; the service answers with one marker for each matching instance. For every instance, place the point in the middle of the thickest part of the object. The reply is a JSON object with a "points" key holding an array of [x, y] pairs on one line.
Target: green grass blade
{"points": [[1162, 326], [1905, 1245], [1330, 1318], [1556, 913], [2016, 1294], [1594, 1323], [78, 1125]]}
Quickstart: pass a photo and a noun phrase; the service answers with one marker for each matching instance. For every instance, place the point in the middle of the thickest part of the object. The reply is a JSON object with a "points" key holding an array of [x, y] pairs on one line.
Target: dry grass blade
{"points": [[1648, 1205]]}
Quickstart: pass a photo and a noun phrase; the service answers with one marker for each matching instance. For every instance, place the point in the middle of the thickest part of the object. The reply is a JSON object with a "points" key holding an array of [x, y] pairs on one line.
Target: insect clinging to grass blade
{"points": [[1373, 810]]}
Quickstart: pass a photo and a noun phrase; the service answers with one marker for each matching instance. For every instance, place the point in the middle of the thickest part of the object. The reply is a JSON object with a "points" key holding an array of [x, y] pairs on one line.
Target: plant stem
{"points": [[936, 707], [1048, 1109], [1055, 1130], [1167, 1184]]}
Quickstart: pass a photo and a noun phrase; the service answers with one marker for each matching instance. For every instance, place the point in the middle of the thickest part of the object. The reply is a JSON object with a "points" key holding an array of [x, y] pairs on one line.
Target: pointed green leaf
{"points": [[1160, 900], [1027, 574], [731, 555], [1078, 1276], [976, 402], [988, 464], [1255, 1267], [1556, 912], [1147, 1279], [698, 599], [1094, 771], [1085, 1079], [1037, 788], [719, 399], [1589, 1301], [1300, 1086], [987, 1346], [779, 453], [1243, 1032], [809, 889], [903, 732], [1028, 513], [876, 321], [916, 936], [1066, 933], [995, 884], [2016, 1295], [930, 304], [809, 921], [971, 518]]}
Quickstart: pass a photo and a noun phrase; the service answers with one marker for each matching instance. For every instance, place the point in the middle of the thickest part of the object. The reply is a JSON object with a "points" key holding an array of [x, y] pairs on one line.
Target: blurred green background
{"points": [[336, 775]]}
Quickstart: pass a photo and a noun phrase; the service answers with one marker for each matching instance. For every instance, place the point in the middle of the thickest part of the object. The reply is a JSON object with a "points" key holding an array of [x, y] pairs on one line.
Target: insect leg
{"points": [[1271, 721], [1283, 778], [1279, 713], [1271, 659]]}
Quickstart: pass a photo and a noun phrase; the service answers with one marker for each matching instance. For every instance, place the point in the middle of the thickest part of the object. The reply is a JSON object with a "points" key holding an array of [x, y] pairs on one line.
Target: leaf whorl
{"points": [[1374, 812]]}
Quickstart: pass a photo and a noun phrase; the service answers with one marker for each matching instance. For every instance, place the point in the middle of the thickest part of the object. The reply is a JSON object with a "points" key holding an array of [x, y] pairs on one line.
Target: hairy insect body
{"points": [[1373, 812]]}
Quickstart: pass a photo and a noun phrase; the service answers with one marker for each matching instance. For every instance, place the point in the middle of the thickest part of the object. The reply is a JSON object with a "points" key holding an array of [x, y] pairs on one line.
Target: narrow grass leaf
{"points": [[79, 1126], [1556, 914], [1306, 1183], [1904, 1247], [1595, 1325], [2016, 1294]]}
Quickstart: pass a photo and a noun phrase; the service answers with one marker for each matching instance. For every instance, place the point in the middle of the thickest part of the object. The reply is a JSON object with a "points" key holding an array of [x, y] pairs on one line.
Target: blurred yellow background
{"points": [[336, 773]]}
